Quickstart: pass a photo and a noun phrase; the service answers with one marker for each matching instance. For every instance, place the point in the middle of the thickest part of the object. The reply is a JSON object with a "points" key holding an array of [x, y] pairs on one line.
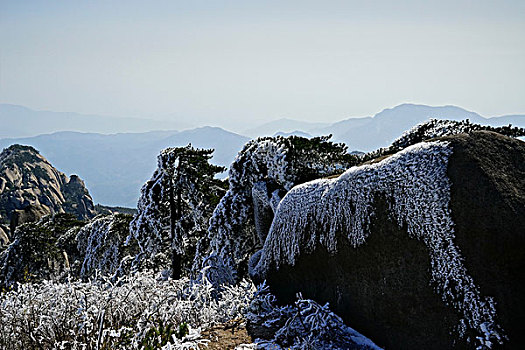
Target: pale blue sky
{"points": [[232, 62]]}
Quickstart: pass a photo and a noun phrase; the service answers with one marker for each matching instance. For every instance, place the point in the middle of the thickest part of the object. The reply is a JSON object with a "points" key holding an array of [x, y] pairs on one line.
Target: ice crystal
{"points": [[114, 315], [416, 181], [278, 162]]}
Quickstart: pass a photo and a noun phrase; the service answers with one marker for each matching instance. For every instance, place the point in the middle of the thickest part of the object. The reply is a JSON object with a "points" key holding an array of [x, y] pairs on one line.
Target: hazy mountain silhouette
{"points": [[19, 121], [370, 133], [380, 130], [116, 166], [283, 125]]}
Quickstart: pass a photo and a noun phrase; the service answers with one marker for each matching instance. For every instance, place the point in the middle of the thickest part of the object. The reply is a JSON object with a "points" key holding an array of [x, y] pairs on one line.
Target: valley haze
{"points": [[115, 156]]}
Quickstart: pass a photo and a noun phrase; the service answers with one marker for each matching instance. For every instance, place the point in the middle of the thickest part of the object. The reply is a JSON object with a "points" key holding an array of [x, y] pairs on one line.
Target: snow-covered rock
{"points": [[418, 250], [267, 167]]}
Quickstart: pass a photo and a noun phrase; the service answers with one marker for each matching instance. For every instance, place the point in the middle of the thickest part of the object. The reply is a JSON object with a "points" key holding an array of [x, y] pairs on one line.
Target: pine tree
{"points": [[269, 166], [175, 206]]}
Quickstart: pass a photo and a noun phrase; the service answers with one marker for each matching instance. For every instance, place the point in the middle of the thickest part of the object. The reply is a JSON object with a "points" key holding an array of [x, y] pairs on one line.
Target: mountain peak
{"points": [[30, 187]]}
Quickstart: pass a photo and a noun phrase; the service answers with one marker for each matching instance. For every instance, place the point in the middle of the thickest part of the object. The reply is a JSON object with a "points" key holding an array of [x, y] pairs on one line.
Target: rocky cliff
{"points": [[30, 187], [423, 249]]}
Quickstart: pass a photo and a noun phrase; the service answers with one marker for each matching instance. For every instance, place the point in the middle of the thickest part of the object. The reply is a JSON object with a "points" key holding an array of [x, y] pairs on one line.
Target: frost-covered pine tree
{"points": [[41, 250], [435, 128], [261, 174], [175, 206]]}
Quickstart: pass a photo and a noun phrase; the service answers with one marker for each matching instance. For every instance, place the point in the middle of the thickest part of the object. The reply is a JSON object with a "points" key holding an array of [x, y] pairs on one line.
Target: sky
{"points": [[241, 62]]}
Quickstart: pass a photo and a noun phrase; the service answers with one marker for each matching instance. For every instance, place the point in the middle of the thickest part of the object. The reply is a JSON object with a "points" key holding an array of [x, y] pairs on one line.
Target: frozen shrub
{"points": [[40, 250], [106, 315], [280, 163], [101, 244], [434, 128], [305, 325]]}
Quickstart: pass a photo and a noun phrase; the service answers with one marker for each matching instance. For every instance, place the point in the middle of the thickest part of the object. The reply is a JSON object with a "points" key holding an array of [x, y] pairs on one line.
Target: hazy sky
{"points": [[226, 62]]}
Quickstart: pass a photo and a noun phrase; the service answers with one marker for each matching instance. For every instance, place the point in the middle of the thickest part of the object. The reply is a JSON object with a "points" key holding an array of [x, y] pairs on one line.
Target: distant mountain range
{"points": [[115, 166], [19, 121], [370, 133], [284, 125]]}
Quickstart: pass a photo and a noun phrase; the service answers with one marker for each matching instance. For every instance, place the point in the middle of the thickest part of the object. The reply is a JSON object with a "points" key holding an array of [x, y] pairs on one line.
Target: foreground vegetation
{"points": [[137, 311]]}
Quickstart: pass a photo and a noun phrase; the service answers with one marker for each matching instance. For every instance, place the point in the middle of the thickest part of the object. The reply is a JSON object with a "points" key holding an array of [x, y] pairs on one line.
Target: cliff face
{"points": [[31, 187], [422, 250]]}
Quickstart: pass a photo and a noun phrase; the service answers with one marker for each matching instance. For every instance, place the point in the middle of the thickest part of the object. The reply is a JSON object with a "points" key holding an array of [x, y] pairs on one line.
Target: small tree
{"points": [[270, 166], [40, 250], [175, 206]]}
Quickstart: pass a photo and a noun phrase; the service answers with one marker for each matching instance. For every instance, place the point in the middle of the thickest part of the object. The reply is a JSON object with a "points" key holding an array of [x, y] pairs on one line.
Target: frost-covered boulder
{"points": [[263, 171], [422, 250]]}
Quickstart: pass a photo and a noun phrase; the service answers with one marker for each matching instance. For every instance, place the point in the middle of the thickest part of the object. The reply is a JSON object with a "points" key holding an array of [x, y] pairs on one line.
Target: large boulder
{"points": [[424, 249], [30, 187]]}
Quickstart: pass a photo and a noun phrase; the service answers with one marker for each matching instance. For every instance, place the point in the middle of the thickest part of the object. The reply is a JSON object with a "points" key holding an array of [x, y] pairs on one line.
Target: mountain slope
{"points": [[31, 187], [370, 133], [380, 130], [116, 166]]}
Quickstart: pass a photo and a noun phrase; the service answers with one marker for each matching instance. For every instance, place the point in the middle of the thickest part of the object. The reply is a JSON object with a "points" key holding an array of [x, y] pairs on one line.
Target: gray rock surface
{"points": [[30, 187]]}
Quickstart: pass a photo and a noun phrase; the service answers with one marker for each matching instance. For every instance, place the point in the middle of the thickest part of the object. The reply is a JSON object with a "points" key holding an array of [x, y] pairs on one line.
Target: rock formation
{"points": [[30, 187], [423, 249], [263, 171]]}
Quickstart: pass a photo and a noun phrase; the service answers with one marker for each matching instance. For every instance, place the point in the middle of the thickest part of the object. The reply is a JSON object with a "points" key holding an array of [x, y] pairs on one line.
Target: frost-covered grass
{"points": [[416, 183], [102, 315], [138, 310]]}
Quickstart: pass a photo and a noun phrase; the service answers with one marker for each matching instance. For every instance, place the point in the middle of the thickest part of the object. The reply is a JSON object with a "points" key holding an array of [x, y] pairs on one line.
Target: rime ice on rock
{"points": [[415, 180], [275, 164]]}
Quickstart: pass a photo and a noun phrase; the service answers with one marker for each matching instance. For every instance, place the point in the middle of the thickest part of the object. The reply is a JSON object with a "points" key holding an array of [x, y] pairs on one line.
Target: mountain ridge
{"points": [[127, 159], [115, 166], [20, 121]]}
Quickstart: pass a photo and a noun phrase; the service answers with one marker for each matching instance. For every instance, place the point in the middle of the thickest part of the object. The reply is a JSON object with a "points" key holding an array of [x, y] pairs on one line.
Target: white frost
{"points": [[416, 181]]}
